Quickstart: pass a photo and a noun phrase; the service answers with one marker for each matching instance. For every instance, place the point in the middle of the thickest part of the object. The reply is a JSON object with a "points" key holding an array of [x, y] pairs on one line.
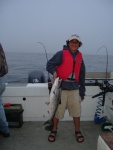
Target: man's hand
{"points": [[82, 98]]}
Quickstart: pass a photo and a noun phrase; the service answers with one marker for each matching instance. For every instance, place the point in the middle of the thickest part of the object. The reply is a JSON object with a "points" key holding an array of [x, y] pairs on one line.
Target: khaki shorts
{"points": [[71, 101]]}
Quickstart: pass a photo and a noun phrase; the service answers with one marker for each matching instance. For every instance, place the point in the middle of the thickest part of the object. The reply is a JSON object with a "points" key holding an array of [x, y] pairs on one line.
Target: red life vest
{"points": [[69, 65]]}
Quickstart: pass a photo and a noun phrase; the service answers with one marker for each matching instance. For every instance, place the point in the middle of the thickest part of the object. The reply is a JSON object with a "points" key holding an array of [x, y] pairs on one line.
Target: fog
{"points": [[23, 23]]}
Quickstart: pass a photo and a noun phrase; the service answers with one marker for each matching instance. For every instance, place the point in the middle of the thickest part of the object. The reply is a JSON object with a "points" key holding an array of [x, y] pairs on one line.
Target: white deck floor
{"points": [[33, 136]]}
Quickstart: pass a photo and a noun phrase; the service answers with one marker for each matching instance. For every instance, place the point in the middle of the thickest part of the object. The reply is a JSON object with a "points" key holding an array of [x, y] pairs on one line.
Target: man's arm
{"points": [[53, 62]]}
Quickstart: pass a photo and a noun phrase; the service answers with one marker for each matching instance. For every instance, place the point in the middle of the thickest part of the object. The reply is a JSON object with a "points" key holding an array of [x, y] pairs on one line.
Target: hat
{"points": [[75, 36]]}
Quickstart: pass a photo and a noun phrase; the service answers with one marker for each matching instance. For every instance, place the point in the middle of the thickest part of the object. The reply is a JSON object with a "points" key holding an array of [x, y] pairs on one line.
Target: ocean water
{"points": [[21, 64]]}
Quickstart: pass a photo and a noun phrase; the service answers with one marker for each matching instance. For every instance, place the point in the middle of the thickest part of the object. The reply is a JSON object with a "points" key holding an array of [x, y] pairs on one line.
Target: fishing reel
{"points": [[105, 87], [49, 85]]}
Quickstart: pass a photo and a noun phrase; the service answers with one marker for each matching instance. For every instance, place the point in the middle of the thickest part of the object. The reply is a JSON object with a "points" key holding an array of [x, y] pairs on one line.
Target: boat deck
{"points": [[33, 136]]}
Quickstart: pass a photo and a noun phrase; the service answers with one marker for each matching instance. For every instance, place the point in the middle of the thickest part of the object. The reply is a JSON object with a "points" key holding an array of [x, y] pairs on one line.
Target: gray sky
{"points": [[23, 23]]}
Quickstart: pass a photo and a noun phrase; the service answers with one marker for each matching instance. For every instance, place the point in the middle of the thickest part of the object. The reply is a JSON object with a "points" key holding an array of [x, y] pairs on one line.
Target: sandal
{"points": [[52, 136], [79, 136]]}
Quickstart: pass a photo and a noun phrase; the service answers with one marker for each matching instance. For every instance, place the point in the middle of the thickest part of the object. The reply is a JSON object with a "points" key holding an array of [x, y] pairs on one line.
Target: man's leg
{"points": [[53, 133], [79, 136], [59, 115], [76, 123], [74, 107], [4, 130], [55, 123]]}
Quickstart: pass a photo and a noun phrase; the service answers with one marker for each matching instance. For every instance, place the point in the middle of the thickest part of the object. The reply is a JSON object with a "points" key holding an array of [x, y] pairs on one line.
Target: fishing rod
{"points": [[106, 59], [49, 80], [44, 50], [104, 86]]}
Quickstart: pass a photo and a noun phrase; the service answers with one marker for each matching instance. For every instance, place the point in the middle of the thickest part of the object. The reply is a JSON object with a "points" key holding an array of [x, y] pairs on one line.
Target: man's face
{"points": [[73, 45]]}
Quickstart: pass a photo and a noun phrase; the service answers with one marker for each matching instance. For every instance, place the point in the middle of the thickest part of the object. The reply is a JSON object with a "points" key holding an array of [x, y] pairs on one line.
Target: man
{"points": [[4, 130], [69, 66]]}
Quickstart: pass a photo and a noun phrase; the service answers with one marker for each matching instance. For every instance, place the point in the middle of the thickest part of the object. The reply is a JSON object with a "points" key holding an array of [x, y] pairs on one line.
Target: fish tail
{"points": [[48, 122]]}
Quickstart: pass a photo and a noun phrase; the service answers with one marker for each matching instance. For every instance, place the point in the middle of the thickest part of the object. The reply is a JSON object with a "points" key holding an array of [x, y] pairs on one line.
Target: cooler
{"points": [[14, 115]]}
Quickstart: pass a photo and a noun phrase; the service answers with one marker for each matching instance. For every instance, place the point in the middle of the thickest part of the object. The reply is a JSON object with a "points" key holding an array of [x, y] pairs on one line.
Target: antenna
{"points": [[106, 60]]}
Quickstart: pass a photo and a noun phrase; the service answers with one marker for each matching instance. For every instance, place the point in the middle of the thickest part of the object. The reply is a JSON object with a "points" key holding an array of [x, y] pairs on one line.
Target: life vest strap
{"points": [[71, 79]]}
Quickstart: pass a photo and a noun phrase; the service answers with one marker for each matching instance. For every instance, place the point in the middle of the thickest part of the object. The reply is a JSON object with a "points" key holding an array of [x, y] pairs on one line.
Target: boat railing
{"points": [[95, 78], [97, 75]]}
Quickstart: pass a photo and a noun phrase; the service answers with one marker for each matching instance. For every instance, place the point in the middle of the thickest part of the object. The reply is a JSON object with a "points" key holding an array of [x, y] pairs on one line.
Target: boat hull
{"points": [[33, 97]]}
